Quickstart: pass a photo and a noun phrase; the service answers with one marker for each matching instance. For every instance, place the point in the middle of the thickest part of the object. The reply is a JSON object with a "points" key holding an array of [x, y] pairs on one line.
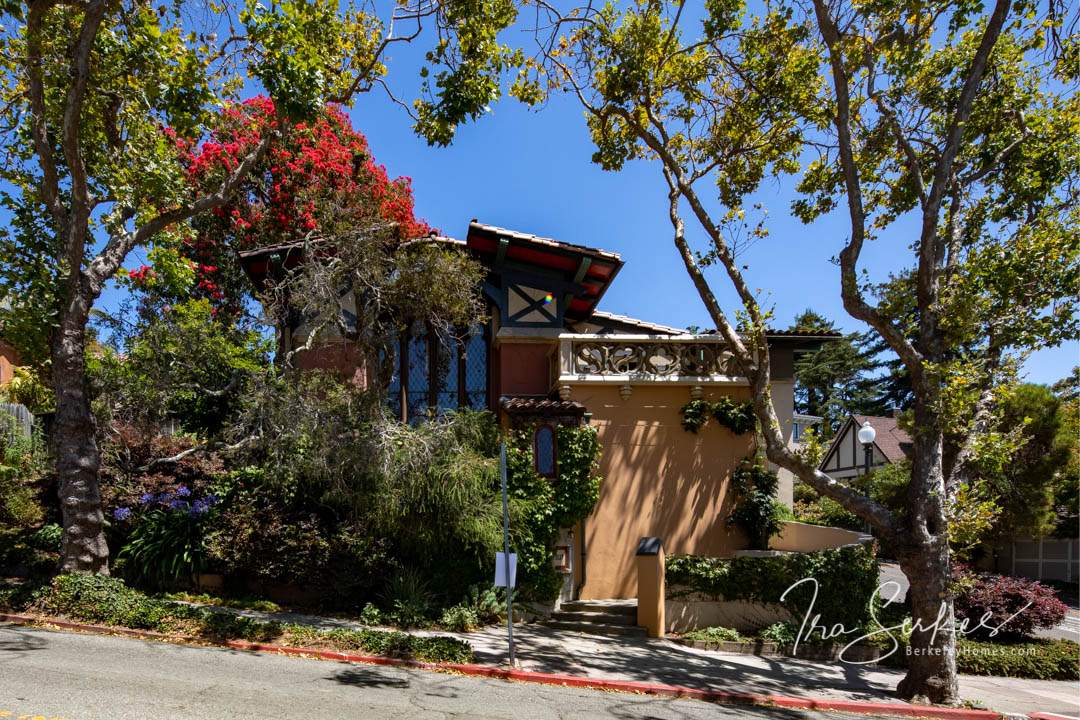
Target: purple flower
{"points": [[182, 491], [199, 507], [211, 499], [122, 513], [179, 505], [146, 498]]}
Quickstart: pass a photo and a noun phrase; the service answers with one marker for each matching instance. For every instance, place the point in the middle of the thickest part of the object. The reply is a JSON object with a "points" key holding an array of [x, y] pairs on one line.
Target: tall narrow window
{"points": [[544, 451], [436, 373]]}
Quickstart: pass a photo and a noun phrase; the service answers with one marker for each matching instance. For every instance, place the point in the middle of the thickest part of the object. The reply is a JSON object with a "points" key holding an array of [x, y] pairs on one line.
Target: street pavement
{"points": [[543, 649], [68, 676]]}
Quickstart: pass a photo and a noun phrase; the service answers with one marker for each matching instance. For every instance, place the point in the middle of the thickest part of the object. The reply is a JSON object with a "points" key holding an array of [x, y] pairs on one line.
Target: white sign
{"points": [[500, 569]]}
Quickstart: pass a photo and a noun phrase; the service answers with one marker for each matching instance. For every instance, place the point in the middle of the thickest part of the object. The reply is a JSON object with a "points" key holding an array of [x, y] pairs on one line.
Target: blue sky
{"points": [[531, 171]]}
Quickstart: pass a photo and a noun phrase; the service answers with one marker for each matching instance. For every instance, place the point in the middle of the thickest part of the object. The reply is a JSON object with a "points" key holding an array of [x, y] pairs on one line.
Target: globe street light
{"points": [[866, 437]]}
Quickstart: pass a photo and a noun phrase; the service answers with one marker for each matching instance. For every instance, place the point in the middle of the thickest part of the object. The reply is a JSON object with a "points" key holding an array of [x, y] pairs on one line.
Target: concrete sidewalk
{"points": [[543, 649]]}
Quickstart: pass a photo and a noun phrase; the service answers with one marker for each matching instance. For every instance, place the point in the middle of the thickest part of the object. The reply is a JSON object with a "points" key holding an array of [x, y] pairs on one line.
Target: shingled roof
{"points": [[893, 441]]}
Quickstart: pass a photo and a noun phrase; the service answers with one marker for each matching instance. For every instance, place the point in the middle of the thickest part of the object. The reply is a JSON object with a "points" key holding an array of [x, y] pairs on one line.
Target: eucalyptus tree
{"points": [[947, 129], [101, 98]]}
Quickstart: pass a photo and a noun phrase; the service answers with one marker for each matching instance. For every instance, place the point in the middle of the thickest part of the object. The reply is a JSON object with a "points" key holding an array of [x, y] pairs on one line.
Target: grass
{"points": [[108, 601]]}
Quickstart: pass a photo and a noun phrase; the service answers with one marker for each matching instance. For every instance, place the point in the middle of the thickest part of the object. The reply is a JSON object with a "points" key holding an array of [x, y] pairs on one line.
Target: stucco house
{"points": [[846, 456], [547, 352]]}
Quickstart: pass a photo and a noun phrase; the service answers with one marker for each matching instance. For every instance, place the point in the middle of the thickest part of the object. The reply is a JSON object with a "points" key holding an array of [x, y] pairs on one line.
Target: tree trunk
{"points": [[925, 560], [76, 452]]}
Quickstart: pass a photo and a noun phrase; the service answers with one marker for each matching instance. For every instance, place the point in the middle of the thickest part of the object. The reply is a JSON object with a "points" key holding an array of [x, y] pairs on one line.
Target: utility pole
{"points": [[506, 554]]}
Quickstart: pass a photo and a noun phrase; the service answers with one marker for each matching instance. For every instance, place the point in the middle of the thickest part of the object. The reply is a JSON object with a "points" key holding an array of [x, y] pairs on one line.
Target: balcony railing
{"points": [[680, 359]]}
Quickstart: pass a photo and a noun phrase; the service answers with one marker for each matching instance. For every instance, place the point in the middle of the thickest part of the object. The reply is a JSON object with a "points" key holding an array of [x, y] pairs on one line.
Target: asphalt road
{"points": [[57, 675]]}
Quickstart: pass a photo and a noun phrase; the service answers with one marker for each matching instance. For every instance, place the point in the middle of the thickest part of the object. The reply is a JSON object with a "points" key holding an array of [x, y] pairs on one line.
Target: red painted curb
{"points": [[575, 681]]}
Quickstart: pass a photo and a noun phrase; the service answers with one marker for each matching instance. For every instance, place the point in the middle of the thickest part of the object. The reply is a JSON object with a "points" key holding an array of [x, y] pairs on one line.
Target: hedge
{"points": [[1033, 659], [108, 601], [847, 578]]}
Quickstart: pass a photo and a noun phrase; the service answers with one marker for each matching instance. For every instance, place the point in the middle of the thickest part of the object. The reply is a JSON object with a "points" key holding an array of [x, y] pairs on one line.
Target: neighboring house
{"points": [[549, 355], [800, 424], [9, 360], [847, 456]]}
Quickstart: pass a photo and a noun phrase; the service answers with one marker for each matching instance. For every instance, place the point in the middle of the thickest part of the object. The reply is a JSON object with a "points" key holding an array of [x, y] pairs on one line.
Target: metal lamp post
{"points": [[866, 436]]}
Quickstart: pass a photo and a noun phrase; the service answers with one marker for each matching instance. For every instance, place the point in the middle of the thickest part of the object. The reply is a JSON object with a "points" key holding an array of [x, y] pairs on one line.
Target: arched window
{"points": [[544, 451]]}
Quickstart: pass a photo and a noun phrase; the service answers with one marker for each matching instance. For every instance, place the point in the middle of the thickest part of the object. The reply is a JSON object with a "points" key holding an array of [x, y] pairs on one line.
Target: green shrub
{"points": [[47, 538], [23, 462], [371, 615], [107, 600], [714, 634], [459, 618], [1032, 660], [408, 598], [847, 577], [381, 642], [781, 633], [489, 604]]}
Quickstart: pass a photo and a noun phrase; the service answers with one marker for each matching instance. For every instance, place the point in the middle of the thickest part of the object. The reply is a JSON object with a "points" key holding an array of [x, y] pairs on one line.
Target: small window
{"points": [[544, 451]]}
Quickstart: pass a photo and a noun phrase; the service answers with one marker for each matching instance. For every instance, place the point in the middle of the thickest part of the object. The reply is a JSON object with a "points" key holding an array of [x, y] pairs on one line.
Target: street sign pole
{"points": [[506, 554]]}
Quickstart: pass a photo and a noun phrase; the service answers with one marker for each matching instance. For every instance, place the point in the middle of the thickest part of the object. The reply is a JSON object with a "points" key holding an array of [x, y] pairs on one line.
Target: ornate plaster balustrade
{"points": [[644, 359]]}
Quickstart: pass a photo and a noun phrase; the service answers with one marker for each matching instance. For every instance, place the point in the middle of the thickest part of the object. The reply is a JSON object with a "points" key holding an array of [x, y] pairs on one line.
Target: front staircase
{"points": [[598, 617]]}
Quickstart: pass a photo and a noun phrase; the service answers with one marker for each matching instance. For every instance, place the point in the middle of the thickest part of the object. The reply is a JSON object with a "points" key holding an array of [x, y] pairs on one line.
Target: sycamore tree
{"points": [[95, 94], [948, 129]]}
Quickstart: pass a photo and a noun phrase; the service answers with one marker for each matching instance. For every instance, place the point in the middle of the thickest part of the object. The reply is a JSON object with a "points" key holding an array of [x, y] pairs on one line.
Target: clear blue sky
{"points": [[531, 171]]}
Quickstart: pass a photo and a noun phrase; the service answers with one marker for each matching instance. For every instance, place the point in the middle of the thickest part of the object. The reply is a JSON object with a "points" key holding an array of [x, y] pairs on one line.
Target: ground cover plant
{"points": [[108, 601]]}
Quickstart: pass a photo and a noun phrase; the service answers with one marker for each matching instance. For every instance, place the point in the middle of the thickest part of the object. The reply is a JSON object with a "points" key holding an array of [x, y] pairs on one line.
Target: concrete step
{"points": [[596, 628], [604, 607], [581, 616]]}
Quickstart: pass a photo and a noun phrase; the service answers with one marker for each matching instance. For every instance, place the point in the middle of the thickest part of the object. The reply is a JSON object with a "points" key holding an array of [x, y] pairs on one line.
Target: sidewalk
{"points": [[542, 649]]}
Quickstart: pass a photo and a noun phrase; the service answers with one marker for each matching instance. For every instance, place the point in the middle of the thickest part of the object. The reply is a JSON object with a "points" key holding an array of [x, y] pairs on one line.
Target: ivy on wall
{"points": [[540, 506], [757, 512], [738, 417], [846, 576]]}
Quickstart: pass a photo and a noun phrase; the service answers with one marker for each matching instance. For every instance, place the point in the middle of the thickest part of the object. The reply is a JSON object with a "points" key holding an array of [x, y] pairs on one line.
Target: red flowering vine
{"points": [[317, 178]]}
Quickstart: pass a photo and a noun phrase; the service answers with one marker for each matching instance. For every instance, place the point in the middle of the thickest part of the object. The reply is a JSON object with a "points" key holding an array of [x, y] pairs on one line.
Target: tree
{"points": [[319, 190], [1025, 487], [938, 124], [832, 382], [89, 89]]}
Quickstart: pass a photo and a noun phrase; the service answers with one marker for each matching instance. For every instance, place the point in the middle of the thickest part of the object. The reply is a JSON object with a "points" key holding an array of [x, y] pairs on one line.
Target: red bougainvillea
{"points": [[318, 179]]}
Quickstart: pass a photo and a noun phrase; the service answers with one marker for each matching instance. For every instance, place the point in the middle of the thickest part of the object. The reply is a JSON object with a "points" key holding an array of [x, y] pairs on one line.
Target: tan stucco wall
{"points": [[783, 397], [659, 480], [802, 537]]}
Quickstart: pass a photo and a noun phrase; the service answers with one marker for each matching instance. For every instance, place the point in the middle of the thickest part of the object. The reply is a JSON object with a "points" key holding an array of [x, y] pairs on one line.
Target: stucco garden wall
{"points": [[659, 481]]}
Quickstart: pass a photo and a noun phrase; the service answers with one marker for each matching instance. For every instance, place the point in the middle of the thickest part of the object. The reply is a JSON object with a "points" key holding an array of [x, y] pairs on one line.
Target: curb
{"points": [[628, 686]]}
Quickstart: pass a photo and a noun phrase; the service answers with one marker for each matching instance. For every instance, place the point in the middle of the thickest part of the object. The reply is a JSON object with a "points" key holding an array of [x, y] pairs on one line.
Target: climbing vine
{"points": [[738, 417], [756, 511], [541, 506]]}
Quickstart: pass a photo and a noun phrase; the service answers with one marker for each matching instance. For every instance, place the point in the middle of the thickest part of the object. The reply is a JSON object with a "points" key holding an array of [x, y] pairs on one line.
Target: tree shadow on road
{"points": [[19, 640], [366, 676]]}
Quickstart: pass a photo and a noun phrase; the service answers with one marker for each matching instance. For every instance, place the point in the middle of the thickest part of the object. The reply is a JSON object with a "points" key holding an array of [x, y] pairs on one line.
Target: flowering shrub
{"points": [[318, 176], [1017, 605], [166, 541]]}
